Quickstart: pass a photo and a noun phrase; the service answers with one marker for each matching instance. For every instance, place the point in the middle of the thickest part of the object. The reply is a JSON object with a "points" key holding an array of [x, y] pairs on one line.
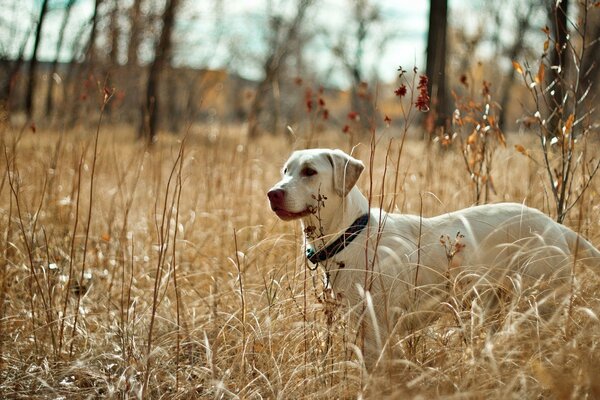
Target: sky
{"points": [[205, 38]]}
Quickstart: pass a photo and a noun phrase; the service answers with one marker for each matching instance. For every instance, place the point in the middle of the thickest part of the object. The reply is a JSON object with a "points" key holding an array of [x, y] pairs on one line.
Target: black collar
{"points": [[340, 243]]}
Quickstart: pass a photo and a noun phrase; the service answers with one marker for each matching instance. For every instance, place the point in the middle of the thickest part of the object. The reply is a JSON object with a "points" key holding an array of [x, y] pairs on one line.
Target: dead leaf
{"points": [[521, 149], [539, 78], [470, 120], [517, 67], [501, 139], [472, 139], [569, 124]]}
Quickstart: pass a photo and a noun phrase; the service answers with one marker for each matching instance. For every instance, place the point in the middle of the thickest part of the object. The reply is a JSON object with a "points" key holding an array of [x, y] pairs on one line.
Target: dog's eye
{"points": [[285, 171], [308, 172]]}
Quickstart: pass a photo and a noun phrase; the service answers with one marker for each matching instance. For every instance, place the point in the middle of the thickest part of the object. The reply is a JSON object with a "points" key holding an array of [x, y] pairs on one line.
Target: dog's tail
{"points": [[582, 249]]}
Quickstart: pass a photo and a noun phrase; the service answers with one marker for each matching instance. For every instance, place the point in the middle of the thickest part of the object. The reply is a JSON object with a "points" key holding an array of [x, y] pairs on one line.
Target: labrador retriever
{"points": [[385, 265]]}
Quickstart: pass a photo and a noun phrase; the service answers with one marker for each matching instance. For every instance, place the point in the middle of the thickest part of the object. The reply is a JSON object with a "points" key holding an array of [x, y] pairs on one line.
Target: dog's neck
{"points": [[335, 219]]}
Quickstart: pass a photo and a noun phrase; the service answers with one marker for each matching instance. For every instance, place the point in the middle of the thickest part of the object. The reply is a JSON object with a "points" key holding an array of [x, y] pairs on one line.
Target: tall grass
{"points": [[172, 278]]}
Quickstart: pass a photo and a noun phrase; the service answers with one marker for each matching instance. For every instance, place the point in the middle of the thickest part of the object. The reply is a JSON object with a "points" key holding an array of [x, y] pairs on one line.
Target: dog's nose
{"points": [[276, 195]]}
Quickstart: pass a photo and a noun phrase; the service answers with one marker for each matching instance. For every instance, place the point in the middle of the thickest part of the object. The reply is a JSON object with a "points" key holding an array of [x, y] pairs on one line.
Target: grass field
{"points": [[163, 273]]}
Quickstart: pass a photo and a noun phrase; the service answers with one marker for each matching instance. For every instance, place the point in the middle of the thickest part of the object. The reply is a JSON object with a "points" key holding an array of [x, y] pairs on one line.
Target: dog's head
{"points": [[315, 179]]}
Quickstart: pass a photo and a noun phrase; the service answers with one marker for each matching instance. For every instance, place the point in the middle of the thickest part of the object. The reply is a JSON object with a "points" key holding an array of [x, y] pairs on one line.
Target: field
{"points": [[162, 273]]}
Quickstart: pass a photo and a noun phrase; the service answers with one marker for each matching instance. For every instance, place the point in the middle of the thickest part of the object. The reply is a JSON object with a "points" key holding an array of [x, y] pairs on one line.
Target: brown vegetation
{"points": [[176, 274], [137, 270]]}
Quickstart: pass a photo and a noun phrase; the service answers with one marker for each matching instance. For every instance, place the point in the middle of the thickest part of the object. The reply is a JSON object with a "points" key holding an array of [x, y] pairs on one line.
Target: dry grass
{"points": [[175, 279]]}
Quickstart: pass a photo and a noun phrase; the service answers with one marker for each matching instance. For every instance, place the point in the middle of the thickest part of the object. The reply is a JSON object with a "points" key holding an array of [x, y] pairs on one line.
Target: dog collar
{"points": [[340, 243]]}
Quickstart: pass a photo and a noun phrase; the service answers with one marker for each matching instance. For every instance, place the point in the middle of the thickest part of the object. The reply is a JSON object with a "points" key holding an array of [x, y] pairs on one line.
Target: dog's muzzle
{"points": [[277, 200]]}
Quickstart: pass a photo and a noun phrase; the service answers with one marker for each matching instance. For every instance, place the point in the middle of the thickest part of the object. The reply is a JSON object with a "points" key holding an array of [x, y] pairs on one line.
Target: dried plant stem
{"points": [[243, 307], [562, 125], [71, 257], [178, 302], [572, 282], [34, 277], [163, 243], [419, 246], [4, 273], [88, 225]]}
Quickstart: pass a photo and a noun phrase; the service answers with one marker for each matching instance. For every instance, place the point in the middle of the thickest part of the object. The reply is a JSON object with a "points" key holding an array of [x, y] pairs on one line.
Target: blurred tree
{"points": [[135, 24], [13, 70], [130, 79], [114, 32], [514, 51], [283, 35], [365, 15], [192, 84], [149, 124], [85, 69], [53, 68], [114, 37], [90, 50], [589, 78], [557, 20], [34, 61], [436, 60]]}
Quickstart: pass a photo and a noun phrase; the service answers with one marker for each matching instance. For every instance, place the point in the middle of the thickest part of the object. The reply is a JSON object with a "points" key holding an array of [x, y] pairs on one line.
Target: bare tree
{"points": [[90, 52], [114, 34], [351, 55], [33, 62], [589, 78], [13, 72], [85, 68], [149, 126], [282, 35], [114, 37], [557, 18], [135, 22], [523, 25], [53, 68], [193, 83], [561, 117], [131, 79], [436, 59]]}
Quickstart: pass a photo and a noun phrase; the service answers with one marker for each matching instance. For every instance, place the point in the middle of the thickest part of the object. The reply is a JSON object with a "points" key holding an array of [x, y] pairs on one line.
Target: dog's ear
{"points": [[346, 171]]}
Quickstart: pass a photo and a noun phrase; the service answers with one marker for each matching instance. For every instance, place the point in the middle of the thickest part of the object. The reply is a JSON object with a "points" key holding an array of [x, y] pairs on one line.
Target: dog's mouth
{"points": [[288, 215]]}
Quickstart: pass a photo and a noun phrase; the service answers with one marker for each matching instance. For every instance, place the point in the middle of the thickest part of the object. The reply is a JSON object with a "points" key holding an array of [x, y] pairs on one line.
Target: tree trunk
{"points": [[85, 69], [557, 17], [61, 36], [13, 72], [361, 101], [523, 25], [257, 105], [115, 34], [280, 50], [113, 55], [149, 125], [436, 60], [589, 76], [90, 52], [134, 35], [33, 62], [132, 79]]}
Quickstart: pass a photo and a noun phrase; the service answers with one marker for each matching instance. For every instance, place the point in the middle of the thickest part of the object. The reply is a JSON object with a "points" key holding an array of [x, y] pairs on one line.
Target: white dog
{"points": [[383, 264]]}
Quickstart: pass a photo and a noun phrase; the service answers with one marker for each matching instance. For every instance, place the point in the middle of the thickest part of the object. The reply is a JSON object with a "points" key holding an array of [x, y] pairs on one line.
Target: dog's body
{"points": [[402, 260]]}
